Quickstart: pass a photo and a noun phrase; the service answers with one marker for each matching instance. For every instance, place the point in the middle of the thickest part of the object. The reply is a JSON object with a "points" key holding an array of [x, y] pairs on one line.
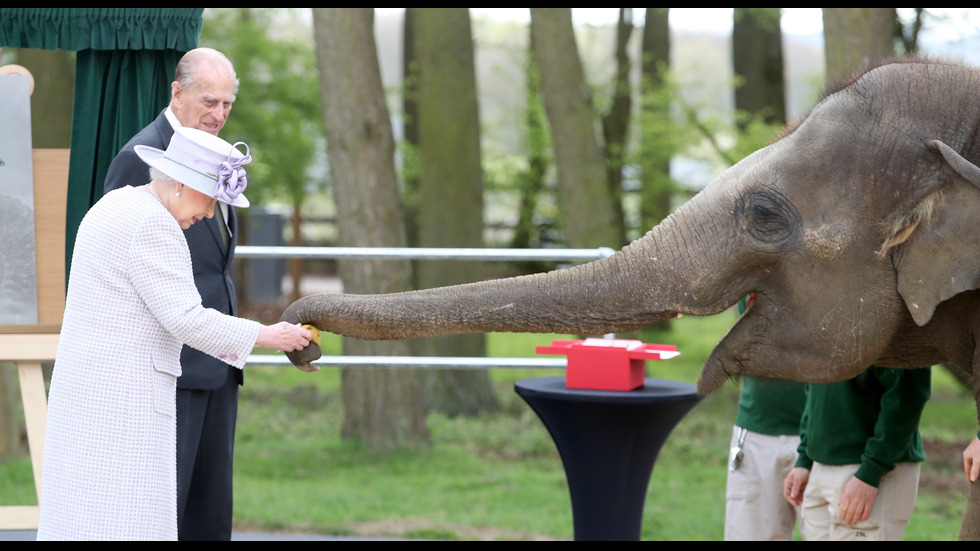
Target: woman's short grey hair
{"points": [[157, 175]]}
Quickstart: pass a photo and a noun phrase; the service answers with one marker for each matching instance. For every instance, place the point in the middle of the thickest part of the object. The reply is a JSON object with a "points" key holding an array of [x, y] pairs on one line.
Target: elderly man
{"points": [[201, 97]]}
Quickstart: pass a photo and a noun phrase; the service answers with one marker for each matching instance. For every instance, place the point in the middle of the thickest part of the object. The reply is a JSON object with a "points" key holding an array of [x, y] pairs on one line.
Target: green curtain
{"points": [[125, 62], [117, 92]]}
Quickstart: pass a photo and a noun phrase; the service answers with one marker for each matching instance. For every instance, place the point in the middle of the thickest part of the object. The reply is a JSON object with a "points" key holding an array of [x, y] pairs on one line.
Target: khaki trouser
{"points": [[755, 509], [890, 512]]}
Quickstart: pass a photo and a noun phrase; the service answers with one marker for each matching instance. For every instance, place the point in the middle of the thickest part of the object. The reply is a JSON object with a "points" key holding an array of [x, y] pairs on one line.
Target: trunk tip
{"points": [[711, 379]]}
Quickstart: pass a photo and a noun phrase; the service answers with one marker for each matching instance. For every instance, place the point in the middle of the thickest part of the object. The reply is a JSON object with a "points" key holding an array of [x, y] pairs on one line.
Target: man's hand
{"points": [[856, 500], [795, 484], [971, 460]]}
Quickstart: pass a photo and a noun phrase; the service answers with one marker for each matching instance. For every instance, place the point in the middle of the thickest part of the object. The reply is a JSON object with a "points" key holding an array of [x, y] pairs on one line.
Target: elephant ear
{"points": [[941, 258]]}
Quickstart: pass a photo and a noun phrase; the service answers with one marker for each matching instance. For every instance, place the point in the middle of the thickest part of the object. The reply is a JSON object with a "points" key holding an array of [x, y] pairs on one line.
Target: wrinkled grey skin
{"points": [[858, 231]]}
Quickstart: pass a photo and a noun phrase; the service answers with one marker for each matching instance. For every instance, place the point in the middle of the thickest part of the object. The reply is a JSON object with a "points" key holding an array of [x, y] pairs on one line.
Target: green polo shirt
{"points": [[871, 420], [770, 406]]}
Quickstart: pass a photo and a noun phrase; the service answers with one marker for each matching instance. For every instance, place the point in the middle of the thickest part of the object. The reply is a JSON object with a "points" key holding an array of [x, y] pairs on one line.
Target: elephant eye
{"points": [[767, 217]]}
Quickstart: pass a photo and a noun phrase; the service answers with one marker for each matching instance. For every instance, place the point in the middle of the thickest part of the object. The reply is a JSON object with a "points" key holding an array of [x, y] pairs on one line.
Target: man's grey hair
{"points": [[188, 65]]}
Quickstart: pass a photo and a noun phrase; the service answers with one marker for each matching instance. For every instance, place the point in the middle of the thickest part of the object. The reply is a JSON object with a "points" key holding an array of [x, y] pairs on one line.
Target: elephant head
{"points": [[855, 230]]}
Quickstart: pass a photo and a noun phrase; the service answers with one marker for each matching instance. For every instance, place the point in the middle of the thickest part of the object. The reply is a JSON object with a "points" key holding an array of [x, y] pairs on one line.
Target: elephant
{"points": [[855, 229]]}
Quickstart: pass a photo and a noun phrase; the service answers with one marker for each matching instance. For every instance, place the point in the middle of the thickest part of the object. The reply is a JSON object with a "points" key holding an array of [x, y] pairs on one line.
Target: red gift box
{"points": [[607, 364]]}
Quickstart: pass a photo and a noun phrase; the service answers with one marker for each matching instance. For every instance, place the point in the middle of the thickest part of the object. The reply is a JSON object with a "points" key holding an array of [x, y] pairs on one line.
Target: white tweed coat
{"points": [[109, 469]]}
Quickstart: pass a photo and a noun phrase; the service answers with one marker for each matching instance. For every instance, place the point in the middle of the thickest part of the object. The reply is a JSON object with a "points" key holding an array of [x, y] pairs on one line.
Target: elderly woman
{"points": [[110, 451]]}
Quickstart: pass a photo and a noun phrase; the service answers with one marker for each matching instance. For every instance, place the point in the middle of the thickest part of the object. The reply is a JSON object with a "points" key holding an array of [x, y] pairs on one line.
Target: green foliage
{"points": [[277, 111], [754, 134], [662, 136], [523, 185], [725, 143]]}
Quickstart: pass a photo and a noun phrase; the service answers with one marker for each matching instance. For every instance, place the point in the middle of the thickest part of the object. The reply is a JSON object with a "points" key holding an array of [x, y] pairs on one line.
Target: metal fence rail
{"points": [[421, 253], [420, 362]]}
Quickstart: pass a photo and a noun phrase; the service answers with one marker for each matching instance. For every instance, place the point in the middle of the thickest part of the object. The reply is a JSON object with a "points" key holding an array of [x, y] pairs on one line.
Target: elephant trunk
{"points": [[555, 302], [653, 279]]}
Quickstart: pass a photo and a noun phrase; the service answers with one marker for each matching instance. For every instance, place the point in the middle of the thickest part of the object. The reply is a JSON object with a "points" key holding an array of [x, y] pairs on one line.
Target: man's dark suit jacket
{"points": [[212, 265]]}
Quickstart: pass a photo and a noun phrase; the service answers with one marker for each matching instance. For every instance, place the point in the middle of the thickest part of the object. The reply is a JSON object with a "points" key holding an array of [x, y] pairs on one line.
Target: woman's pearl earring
{"points": [[177, 194]]}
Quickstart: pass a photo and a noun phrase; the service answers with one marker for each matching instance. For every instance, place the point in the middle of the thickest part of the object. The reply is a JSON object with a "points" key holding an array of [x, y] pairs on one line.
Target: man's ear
{"points": [[175, 91], [941, 257]]}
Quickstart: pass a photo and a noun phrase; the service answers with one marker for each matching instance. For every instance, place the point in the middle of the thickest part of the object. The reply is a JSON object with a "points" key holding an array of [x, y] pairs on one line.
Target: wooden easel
{"points": [[30, 345]]}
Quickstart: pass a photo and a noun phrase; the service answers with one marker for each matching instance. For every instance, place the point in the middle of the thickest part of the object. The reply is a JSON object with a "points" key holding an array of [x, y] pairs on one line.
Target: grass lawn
{"points": [[500, 477]]}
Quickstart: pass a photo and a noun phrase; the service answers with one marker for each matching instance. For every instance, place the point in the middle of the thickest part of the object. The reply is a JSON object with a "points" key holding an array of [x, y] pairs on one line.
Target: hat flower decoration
{"points": [[203, 162], [231, 175]]}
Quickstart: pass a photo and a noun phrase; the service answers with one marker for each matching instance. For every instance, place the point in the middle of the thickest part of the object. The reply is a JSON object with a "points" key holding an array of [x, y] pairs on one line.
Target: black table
{"points": [[608, 441]]}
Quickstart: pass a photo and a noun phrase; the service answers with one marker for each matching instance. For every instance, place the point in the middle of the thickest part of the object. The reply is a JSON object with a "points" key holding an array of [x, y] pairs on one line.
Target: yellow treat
{"points": [[315, 331]]}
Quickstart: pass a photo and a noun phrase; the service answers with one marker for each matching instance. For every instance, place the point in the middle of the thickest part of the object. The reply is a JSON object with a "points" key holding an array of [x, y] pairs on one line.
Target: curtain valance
{"points": [[101, 28]]}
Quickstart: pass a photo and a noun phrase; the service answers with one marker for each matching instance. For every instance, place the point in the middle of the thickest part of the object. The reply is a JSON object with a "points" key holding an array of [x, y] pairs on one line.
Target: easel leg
{"points": [[35, 414], [34, 398]]}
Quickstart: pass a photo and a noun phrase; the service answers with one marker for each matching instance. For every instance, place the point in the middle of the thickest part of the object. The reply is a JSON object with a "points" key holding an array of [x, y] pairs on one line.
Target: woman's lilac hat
{"points": [[203, 162]]}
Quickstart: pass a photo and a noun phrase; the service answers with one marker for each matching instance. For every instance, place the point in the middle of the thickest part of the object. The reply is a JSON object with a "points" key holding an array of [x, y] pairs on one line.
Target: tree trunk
{"points": [[410, 128], [657, 188], [450, 209], [531, 181], [382, 407], [970, 526], [297, 267], [757, 58], [855, 36], [616, 123], [908, 34], [587, 211]]}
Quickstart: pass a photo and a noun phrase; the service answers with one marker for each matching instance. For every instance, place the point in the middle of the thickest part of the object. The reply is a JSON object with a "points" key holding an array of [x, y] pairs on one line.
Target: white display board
{"points": [[32, 266], [18, 267]]}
